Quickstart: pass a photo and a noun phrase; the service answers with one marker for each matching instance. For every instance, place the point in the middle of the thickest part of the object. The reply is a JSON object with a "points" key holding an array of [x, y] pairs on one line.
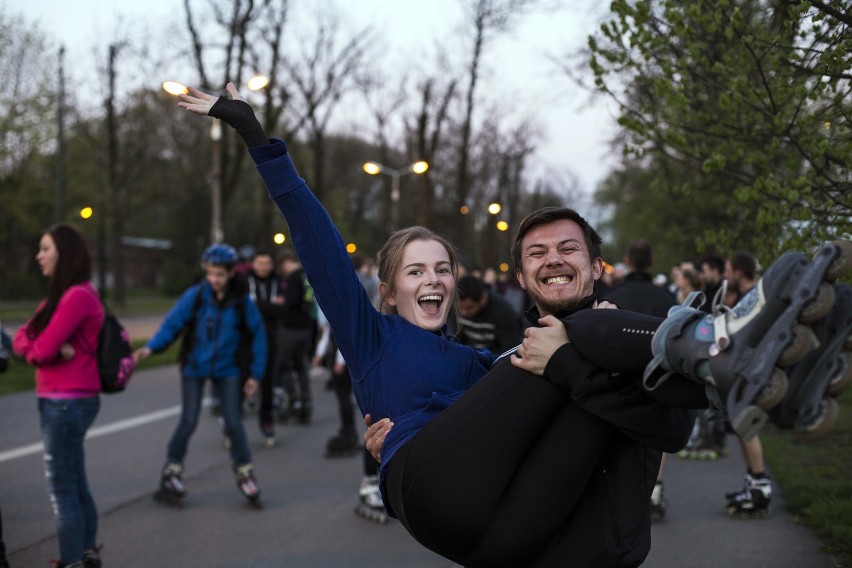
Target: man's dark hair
{"points": [[746, 263], [288, 255], [548, 215], [639, 255], [714, 261], [470, 286], [263, 252]]}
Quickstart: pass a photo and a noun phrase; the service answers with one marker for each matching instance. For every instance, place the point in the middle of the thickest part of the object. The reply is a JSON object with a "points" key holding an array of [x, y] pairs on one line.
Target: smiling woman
{"points": [[417, 270]]}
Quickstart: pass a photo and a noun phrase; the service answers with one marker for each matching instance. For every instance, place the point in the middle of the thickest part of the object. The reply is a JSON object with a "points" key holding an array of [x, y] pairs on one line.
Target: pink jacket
{"points": [[77, 320]]}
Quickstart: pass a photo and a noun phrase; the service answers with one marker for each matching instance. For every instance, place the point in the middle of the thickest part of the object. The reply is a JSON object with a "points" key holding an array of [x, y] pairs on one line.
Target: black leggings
{"points": [[470, 486]]}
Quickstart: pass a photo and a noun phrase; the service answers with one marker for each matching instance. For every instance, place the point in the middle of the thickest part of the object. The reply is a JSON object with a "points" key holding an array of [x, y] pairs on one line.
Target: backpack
{"points": [[244, 356], [114, 355]]}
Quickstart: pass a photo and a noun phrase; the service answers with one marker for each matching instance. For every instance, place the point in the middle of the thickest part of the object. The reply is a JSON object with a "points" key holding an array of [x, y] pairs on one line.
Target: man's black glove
{"points": [[241, 117]]}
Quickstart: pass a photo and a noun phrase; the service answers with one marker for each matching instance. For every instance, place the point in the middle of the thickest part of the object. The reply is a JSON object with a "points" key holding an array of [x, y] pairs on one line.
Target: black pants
{"points": [[341, 383], [494, 478], [294, 347], [267, 386]]}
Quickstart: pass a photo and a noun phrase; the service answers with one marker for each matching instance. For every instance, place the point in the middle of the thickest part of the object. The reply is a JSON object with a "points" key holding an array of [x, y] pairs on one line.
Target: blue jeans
{"points": [[192, 392], [64, 423]]}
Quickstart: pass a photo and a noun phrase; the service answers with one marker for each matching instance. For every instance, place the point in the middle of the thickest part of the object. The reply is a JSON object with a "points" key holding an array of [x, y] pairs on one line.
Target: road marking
{"points": [[99, 431]]}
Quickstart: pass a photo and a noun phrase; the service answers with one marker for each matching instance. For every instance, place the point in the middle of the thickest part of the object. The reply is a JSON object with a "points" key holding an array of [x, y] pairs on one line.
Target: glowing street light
{"points": [[279, 238], [375, 168], [494, 208], [351, 248], [217, 232], [86, 212], [464, 209], [173, 88], [502, 226]]}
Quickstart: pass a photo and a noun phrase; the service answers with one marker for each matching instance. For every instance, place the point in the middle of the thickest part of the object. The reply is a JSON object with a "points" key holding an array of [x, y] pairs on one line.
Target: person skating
{"points": [[265, 290], [212, 316]]}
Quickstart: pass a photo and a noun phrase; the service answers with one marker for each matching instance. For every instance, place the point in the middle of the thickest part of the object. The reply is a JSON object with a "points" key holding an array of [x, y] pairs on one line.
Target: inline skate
{"points": [[172, 488], [752, 501], [247, 484], [343, 445], [740, 353], [809, 407], [370, 505]]}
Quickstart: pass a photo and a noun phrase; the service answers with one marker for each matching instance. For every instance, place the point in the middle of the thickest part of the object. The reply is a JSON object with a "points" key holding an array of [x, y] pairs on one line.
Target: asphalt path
{"points": [[307, 519]]}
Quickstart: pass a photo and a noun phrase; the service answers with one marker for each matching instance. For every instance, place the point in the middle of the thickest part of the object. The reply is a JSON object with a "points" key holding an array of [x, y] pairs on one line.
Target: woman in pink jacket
{"points": [[60, 340]]}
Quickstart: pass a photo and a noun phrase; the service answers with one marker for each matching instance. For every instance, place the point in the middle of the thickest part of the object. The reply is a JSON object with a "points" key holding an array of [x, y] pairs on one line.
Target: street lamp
{"points": [[375, 168], [217, 232]]}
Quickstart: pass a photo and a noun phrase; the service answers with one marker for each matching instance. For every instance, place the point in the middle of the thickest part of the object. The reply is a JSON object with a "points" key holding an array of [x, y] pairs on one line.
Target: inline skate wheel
{"points": [[843, 263], [820, 306], [843, 379], [774, 392], [804, 341], [822, 425]]}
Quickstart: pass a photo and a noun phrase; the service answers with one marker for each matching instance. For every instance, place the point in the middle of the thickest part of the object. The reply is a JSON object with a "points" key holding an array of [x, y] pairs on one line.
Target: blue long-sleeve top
{"points": [[216, 334], [398, 370]]}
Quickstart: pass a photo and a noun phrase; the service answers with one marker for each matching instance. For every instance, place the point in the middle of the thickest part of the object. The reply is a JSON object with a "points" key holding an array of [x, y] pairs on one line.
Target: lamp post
{"points": [[217, 231], [375, 168]]}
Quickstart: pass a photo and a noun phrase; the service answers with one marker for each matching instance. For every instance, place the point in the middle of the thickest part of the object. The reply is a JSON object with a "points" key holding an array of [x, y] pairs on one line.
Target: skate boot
{"points": [[268, 434], [92, 557], [809, 406], [752, 501], [345, 444], [370, 505], [172, 489], [658, 503], [247, 484], [739, 352]]}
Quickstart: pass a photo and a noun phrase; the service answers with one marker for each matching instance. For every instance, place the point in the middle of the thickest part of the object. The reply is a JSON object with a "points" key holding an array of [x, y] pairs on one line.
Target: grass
{"points": [[20, 376], [815, 477], [139, 302]]}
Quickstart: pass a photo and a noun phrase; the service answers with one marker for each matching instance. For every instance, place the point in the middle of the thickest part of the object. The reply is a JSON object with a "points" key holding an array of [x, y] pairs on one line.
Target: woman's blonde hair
{"points": [[389, 260]]}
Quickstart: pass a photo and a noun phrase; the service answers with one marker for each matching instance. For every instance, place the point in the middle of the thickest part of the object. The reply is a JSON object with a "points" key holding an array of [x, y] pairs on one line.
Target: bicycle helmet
{"points": [[220, 254]]}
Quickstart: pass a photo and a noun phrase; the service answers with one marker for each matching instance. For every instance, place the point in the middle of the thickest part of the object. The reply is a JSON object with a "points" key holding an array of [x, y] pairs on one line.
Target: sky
{"points": [[575, 128]]}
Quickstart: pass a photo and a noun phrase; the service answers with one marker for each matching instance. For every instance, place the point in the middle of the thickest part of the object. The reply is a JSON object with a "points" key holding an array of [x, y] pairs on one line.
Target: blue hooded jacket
{"points": [[216, 334]]}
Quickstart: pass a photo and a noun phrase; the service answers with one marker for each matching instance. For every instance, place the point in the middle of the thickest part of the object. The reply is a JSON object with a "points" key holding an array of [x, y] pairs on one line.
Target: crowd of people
{"points": [[508, 380]]}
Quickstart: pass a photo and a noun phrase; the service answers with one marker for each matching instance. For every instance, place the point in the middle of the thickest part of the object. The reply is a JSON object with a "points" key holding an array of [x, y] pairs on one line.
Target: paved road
{"points": [[308, 520]]}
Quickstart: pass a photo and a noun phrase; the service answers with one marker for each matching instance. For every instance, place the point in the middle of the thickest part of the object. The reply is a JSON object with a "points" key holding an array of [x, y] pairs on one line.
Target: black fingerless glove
{"points": [[241, 117]]}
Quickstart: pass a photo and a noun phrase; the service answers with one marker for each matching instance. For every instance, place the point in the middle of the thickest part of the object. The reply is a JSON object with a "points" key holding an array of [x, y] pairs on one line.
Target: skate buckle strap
{"points": [[720, 327]]}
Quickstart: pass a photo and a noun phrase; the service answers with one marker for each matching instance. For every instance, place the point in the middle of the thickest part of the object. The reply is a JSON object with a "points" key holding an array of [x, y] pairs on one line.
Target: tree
{"points": [[742, 108], [487, 18], [27, 132]]}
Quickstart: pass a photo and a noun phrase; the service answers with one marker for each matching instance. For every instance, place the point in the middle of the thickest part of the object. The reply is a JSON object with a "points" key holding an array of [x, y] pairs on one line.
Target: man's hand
{"points": [[374, 438], [539, 345], [250, 388]]}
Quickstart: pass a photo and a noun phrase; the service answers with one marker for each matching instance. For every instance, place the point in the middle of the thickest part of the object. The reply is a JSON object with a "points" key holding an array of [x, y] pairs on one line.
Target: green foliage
{"points": [[740, 107]]}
